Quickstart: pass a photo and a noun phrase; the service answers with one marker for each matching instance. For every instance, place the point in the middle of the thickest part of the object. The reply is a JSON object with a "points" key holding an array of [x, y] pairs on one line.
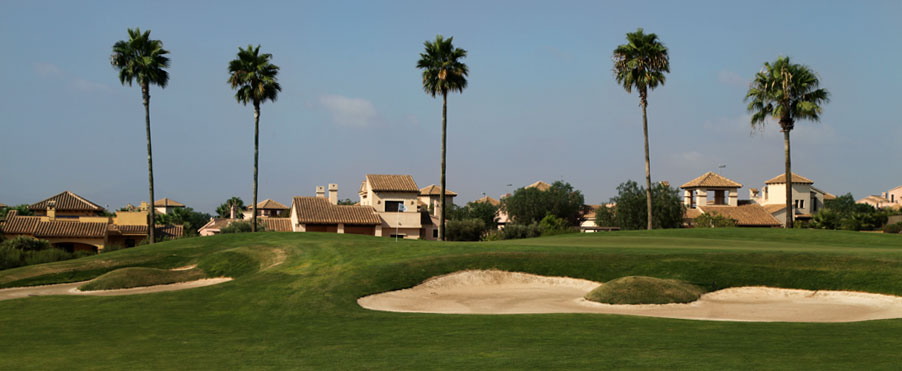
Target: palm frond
{"points": [[253, 76], [443, 70]]}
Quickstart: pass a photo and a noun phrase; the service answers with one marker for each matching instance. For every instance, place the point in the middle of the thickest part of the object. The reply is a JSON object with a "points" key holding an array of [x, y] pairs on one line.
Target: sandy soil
{"points": [[497, 292], [72, 289]]}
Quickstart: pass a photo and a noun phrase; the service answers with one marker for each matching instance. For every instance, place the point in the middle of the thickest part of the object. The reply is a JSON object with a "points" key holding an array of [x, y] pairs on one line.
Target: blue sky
{"points": [[542, 102]]}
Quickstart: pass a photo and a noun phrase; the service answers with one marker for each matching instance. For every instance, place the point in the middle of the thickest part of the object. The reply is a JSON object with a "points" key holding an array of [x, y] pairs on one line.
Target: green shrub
{"points": [[140, 277], [645, 290], [464, 230], [893, 228], [23, 243], [826, 219], [713, 220], [516, 231], [241, 227], [551, 225], [10, 258]]}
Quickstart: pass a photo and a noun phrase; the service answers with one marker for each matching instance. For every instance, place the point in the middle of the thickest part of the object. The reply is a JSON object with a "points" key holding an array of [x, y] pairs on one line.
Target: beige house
{"points": [[70, 222], [267, 208], [318, 214], [430, 198], [166, 205], [806, 199], [888, 199], [712, 193], [215, 225], [394, 199]]}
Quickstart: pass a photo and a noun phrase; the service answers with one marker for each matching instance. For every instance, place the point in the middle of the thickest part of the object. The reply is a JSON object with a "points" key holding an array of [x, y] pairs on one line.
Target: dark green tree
{"points": [[443, 72], [185, 216], [531, 205], [630, 210], [225, 210], [254, 77], [640, 64], [143, 60], [785, 92]]}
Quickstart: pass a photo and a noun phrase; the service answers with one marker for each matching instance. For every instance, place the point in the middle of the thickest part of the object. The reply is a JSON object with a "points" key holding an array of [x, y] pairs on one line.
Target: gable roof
{"points": [[490, 200], [711, 179], [61, 228], [216, 224], [270, 204], [890, 190], [392, 183], [315, 210], [772, 208], [433, 189], [540, 185], [67, 201], [874, 199], [20, 224], [752, 215], [277, 224], [167, 202], [796, 179]]}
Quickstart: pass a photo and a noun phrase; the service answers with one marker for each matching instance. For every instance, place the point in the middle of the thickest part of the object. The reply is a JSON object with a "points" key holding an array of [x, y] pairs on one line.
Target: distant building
{"points": [[888, 199], [70, 222], [166, 205], [712, 193], [806, 199], [430, 198], [267, 208]]}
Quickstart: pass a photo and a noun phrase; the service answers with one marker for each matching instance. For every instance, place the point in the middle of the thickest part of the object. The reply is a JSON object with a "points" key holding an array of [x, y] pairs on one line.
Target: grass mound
{"points": [[645, 290], [139, 277]]}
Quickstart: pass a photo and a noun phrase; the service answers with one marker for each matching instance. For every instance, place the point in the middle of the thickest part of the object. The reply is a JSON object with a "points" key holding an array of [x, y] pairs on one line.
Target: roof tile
{"points": [[315, 210], [392, 183]]}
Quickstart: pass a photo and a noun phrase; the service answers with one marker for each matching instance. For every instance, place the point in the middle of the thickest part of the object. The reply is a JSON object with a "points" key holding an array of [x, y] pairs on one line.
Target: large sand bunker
{"points": [[72, 289], [498, 292]]}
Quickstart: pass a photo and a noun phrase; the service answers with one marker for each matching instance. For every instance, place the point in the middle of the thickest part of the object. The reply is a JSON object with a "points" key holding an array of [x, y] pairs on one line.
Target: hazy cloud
{"points": [[89, 86], [349, 111], [47, 70], [731, 78]]}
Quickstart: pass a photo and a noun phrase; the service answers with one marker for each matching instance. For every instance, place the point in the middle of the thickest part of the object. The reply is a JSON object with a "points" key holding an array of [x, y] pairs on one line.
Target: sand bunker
{"points": [[498, 292], [72, 289]]}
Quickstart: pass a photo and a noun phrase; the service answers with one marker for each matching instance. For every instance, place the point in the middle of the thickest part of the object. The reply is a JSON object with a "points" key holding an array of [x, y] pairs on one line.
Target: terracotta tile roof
{"points": [[20, 224], [747, 215], [540, 185], [796, 179], [269, 204], [62, 229], [433, 189], [166, 202], [875, 199], [169, 230], [772, 208], [67, 201], [277, 224], [315, 210], [216, 224], [692, 213], [2, 205], [490, 200], [711, 179], [392, 183]]}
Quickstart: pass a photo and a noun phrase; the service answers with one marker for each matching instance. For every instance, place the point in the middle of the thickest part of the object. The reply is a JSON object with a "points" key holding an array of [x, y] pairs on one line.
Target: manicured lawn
{"points": [[303, 314]]}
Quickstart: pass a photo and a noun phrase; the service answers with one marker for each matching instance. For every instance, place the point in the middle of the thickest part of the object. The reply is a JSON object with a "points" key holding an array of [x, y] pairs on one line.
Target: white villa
{"points": [[714, 193], [806, 199]]}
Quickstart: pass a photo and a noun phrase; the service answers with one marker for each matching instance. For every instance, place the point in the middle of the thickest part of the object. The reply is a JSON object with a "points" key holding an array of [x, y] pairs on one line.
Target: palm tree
{"points": [[785, 92], [142, 59], [443, 72], [640, 64], [254, 78]]}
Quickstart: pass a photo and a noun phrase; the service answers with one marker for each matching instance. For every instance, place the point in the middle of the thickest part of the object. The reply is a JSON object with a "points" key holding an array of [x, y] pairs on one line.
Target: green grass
{"points": [[302, 314], [645, 290], [126, 278]]}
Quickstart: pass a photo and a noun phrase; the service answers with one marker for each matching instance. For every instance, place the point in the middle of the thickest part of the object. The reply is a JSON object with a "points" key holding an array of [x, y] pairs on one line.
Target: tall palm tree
{"points": [[443, 71], [785, 92], [143, 60], [254, 78], [640, 64]]}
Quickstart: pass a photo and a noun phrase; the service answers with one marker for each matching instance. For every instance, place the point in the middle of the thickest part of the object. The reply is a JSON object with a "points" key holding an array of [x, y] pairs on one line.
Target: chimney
{"points": [[51, 209], [320, 192], [232, 211], [333, 193]]}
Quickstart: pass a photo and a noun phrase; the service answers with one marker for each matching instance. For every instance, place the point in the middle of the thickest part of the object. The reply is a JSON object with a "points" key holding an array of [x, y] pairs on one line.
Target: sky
{"points": [[542, 102]]}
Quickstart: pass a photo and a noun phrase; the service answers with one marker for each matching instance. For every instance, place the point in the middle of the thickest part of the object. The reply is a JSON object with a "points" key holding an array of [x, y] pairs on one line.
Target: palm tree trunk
{"points": [[441, 226], [256, 155], [145, 92], [789, 210], [647, 162]]}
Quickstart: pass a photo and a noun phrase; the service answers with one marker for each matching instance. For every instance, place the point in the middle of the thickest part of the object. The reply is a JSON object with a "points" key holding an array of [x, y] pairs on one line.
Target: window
{"points": [[435, 233], [394, 205], [719, 197]]}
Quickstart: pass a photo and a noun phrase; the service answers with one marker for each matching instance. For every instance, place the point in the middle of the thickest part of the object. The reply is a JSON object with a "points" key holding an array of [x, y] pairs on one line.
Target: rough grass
{"points": [[126, 278], [302, 314], [645, 290]]}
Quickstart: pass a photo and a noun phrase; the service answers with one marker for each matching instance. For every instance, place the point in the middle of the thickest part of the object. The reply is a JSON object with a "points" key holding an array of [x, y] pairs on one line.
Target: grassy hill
{"points": [[302, 313]]}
